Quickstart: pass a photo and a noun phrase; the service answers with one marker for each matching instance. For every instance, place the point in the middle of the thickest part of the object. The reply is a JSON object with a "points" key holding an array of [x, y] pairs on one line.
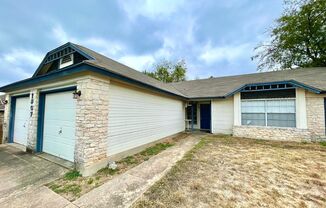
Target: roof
{"points": [[311, 78], [116, 67], [2, 99]]}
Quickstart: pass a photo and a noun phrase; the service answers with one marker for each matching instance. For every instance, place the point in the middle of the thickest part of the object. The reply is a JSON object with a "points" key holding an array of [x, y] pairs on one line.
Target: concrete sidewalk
{"points": [[126, 188]]}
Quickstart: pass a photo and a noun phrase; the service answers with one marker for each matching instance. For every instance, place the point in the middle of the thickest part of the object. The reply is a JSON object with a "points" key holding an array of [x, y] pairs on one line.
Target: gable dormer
{"points": [[64, 56]]}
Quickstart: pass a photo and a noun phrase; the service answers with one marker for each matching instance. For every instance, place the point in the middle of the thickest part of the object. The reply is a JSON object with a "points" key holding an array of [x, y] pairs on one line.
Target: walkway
{"points": [[125, 189]]}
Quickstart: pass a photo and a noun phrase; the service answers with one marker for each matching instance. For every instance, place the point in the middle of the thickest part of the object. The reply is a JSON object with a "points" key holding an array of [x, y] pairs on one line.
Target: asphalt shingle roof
{"points": [[221, 86], [118, 68], [212, 87]]}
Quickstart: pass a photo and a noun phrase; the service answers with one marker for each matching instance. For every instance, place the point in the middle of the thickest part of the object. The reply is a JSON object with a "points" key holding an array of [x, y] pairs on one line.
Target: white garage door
{"points": [[59, 125], [22, 114]]}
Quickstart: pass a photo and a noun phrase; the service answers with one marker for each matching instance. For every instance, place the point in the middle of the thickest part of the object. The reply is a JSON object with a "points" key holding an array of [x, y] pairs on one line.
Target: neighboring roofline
{"points": [[83, 66], [249, 74], [69, 44], [293, 82]]}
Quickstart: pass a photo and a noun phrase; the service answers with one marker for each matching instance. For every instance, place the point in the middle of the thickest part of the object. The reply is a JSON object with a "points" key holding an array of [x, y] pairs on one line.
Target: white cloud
{"points": [[106, 47], [229, 53], [22, 56], [17, 62], [99, 44], [151, 8], [60, 35], [138, 62]]}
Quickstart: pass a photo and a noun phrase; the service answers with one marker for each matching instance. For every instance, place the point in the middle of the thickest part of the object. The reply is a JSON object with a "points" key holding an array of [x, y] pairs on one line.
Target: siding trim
{"points": [[292, 82]]}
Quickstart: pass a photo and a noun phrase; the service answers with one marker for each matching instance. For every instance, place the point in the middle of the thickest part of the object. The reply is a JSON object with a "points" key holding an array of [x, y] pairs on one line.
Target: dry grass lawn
{"points": [[223, 171], [72, 185]]}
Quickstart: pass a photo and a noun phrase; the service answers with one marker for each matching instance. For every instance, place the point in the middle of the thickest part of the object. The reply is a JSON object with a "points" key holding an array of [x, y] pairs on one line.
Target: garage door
{"points": [[22, 114], [59, 125]]}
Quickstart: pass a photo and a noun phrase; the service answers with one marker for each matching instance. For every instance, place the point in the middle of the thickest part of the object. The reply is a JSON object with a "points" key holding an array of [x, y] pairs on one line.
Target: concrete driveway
{"points": [[22, 176]]}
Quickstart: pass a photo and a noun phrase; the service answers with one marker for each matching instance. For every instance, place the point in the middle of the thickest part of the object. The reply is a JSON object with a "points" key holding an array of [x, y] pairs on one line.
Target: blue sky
{"points": [[215, 38]]}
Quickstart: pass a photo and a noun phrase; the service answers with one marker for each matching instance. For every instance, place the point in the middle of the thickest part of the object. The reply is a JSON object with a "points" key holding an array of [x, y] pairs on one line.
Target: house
{"points": [[2, 110], [88, 109]]}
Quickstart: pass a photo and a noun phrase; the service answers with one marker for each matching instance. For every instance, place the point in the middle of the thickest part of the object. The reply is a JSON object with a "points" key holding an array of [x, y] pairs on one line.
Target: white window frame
{"points": [[265, 105]]}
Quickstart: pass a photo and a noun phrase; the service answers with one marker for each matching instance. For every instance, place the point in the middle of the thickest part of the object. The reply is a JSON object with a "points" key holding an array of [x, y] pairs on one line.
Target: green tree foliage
{"points": [[167, 71], [298, 39]]}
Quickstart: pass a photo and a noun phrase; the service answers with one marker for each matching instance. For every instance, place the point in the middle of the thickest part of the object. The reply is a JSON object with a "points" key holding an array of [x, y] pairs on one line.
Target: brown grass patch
{"points": [[223, 171], [72, 185]]}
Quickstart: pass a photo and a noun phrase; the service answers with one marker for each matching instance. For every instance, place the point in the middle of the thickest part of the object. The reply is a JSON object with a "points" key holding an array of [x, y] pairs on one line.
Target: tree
{"points": [[298, 39], [167, 71]]}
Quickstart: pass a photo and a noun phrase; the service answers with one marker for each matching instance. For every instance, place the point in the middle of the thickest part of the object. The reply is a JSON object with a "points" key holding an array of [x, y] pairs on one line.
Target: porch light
{"points": [[77, 94], [4, 102]]}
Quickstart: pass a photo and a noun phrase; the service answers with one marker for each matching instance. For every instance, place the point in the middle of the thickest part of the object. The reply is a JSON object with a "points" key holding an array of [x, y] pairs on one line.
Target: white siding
{"points": [[222, 116], [301, 109], [137, 118]]}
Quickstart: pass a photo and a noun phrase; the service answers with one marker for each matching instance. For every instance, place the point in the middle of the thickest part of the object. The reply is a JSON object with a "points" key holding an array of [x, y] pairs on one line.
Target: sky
{"points": [[214, 37]]}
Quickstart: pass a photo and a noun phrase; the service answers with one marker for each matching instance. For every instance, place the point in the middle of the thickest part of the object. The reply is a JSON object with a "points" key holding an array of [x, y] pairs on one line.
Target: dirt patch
{"points": [[72, 185], [223, 171]]}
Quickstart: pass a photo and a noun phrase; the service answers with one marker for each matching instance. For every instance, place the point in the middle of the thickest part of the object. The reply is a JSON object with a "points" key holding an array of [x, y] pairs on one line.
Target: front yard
{"points": [[72, 185], [223, 171]]}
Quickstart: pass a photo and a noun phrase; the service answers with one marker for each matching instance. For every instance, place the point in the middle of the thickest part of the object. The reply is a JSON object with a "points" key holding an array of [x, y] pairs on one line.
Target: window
{"points": [[189, 112], [269, 112]]}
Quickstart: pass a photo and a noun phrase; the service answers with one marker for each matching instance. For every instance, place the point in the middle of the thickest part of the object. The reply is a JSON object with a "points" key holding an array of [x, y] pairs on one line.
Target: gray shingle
{"points": [[213, 87], [118, 68], [221, 86]]}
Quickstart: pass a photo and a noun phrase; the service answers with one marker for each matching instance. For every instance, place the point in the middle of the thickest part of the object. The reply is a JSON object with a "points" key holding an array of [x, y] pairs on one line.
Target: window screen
{"points": [[278, 113], [253, 112]]}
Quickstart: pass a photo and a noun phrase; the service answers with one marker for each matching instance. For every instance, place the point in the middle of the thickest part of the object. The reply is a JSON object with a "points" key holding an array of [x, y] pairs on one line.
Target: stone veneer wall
{"points": [[92, 111], [1, 122], [1, 117], [271, 133], [315, 115], [6, 121], [33, 120]]}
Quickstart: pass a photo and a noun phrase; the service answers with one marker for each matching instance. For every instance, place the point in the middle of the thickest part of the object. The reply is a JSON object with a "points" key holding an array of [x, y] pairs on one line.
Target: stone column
{"points": [[6, 121], [92, 111], [33, 121], [316, 115]]}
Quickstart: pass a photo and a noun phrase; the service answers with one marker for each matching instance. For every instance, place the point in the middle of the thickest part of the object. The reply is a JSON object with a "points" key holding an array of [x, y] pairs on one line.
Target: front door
{"points": [[205, 116]]}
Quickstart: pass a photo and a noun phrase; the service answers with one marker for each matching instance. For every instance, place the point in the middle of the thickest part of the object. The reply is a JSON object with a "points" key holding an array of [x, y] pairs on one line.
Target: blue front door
{"points": [[205, 116]]}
